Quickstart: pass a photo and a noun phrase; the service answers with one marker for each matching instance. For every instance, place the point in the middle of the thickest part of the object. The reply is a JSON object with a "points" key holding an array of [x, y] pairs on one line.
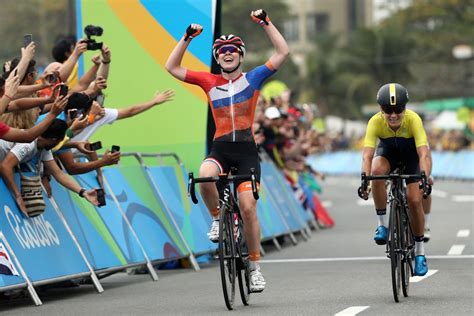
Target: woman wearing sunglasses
{"points": [[402, 141], [232, 97]]}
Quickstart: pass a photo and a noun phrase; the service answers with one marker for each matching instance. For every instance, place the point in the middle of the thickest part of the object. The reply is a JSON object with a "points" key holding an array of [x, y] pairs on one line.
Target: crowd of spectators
{"points": [[46, 119], [289, 133]]}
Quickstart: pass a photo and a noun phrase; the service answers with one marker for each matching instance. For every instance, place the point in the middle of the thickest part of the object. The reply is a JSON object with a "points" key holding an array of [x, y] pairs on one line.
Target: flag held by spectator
{"points": [[6, 265]]}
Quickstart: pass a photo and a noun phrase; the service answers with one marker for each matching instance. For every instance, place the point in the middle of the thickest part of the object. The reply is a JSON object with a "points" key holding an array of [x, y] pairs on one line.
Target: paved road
{"points": [[336, 269]]}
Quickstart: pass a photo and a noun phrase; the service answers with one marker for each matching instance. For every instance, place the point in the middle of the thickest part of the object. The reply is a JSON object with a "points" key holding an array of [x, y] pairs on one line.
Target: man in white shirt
{"points": [[37, 152]]}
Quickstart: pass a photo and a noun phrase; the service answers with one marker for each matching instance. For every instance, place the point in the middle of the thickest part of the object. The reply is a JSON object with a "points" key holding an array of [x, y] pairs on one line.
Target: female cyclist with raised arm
{"points": [[233, 96]]}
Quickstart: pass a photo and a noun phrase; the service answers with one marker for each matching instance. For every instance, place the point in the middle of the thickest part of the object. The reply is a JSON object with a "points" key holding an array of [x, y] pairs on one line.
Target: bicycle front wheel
{"points": [[407, 244], [394, 251], [243, 265], [227, 256]]}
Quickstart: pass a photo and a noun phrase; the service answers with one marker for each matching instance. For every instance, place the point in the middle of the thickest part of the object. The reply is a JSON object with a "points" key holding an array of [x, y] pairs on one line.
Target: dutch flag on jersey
{"points": [[6, 265]]}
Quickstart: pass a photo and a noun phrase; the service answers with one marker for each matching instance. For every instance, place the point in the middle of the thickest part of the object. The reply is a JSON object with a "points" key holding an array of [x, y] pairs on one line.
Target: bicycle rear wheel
{"points": [[227, 256], [407, 244], [394, 249], [243, 271]]}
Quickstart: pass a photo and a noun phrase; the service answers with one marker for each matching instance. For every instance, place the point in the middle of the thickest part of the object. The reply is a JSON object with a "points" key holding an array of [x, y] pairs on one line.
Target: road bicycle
{"points": [[232, 249], [401, 245]]}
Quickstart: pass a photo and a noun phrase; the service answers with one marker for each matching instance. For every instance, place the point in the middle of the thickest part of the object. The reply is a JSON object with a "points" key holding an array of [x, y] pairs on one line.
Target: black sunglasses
{"points": [[230, 49], [396, 110]]}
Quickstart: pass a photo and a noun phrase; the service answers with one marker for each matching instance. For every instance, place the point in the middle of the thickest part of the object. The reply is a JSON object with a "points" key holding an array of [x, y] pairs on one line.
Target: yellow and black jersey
{"points": [[411, 131]]}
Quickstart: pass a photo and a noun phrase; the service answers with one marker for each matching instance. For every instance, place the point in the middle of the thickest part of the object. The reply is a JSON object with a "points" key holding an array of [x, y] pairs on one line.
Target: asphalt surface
{"points": [[337, 269]]}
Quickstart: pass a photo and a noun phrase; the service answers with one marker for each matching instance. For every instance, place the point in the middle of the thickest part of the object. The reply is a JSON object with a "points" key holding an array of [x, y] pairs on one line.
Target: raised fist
{"points": [[192, 31], [260, 16]]}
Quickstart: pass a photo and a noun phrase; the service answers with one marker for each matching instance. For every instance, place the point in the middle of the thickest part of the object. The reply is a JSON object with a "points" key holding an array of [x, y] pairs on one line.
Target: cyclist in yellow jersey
{"points": [[402, 140]]}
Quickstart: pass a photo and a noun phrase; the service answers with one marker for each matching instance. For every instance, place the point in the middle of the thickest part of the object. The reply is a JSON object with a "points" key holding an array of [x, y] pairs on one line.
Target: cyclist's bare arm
{"points": [[424, 155], [367, 156], [173, 64], [279, 43]]}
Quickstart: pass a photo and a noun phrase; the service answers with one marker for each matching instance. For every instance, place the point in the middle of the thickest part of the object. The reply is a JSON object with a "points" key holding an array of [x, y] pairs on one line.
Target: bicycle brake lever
{"points": [[254, 184], [191, 189]]}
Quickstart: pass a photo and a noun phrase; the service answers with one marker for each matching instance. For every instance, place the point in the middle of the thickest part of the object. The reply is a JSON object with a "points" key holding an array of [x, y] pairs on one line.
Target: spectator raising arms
{"points": [[11, 154]]}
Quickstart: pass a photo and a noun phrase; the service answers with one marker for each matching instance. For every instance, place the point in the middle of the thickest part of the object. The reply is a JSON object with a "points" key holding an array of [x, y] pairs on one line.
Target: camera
{"points": [[92, 30]]}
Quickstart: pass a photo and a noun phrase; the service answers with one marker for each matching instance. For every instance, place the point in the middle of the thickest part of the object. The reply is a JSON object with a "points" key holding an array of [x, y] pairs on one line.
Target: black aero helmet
{"points": [[392, 95]]}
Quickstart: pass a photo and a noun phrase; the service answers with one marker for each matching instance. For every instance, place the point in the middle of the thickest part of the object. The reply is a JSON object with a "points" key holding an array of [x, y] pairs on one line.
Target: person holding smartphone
{"points": [[12, 134], [11, 154], [234, 144]]}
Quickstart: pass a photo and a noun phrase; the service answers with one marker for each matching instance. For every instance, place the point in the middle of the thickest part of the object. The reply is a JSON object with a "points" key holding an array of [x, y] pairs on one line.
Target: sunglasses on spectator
{"points": [[396, 109], [230, 49]]}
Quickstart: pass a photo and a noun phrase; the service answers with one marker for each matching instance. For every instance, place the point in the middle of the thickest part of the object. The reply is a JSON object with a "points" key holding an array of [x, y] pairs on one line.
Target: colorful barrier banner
{"points": [[285, 188], [102, 233], [271, 222], [294, 219], [145, 213], [193, 220], [42, 244], [148, 30]]}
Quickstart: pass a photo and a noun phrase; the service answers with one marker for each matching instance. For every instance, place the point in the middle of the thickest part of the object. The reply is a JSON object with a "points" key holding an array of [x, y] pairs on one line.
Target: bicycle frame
{"points": [[232, 245], [400, 245]]}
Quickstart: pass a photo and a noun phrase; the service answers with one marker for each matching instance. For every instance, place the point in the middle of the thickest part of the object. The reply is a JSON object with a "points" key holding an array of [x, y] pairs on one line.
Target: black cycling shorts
{"points": [[406, 156], [241, 155]]}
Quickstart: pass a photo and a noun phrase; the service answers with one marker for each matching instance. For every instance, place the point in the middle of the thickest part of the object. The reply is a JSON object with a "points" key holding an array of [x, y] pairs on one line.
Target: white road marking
{"points": [[419, 278], [441, 194], [463, 198], [456, 250], [353, 310], [463, 233], [365, 202], [327, 203], [342, 259]]}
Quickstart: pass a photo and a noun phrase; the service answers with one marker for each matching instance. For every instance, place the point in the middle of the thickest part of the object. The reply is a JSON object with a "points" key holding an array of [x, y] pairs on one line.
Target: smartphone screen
{"points": [[63, 90], [95, 146], [115, 148], [100, 197], [27, 39], [72, 113]]}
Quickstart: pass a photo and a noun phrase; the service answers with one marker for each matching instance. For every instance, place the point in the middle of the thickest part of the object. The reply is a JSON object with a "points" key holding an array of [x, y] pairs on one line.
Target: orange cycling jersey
{"points": [[232, 101]]}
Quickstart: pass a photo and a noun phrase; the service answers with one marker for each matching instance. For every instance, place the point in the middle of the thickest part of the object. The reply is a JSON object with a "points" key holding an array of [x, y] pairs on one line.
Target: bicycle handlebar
{"points": [[424, 185], [222, 177]]}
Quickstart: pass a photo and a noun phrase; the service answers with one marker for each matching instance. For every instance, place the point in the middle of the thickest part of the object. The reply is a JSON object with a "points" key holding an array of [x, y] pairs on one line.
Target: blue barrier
{"points": [[95, 238], [454, 165], [193, 220], [270, 180], [148, 217], [145, 213], [42, 244], [272, 223]]}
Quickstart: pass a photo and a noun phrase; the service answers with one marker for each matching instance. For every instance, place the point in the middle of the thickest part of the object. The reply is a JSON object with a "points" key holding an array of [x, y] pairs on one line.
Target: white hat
{"points": [[272, 113]]}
